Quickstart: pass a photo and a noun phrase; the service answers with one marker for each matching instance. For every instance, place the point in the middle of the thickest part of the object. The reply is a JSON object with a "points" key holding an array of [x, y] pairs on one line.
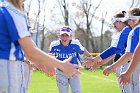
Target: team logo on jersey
{"points": [[64, 55]]}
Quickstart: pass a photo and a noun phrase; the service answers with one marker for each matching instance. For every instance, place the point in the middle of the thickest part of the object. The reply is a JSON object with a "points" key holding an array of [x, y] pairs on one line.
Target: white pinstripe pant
{"points": [[63, 82], [11, 77], [27, 75]]}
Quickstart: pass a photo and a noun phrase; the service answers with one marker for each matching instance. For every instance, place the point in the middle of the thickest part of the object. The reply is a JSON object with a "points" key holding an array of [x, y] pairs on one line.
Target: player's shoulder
{"points": [[55, 43], [126, 30], [75, 41], [136, 29], [11, 8]]}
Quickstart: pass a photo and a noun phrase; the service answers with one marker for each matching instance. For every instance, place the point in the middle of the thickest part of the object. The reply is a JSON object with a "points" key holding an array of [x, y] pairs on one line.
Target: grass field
{"points": [[92, 82]]}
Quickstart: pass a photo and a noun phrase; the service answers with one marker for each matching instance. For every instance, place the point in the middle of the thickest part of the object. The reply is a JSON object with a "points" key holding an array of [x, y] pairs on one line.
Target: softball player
{"points": [[125, 77], [62, 49], [118, 45], [132, 42], [14, 34]]}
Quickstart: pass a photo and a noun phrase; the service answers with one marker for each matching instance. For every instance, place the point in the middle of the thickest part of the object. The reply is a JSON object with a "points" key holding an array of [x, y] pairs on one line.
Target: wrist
{"points": [[112, 68], [58, 64], [98, 59], [89, 55], [128, 72], [61, 66]]}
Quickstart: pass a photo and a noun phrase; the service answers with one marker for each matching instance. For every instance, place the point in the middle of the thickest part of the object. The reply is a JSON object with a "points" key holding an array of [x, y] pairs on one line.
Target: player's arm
{"points": [[125, 77], [104, 55], [86, 53], [98, 64], [124, 59], [135, 60], [107, 53], [114, 49], [131, 45], [107, 59]]}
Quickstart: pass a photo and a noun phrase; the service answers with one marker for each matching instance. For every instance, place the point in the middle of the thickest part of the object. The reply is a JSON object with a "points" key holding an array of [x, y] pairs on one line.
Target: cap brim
{"points": [[63, 32]]}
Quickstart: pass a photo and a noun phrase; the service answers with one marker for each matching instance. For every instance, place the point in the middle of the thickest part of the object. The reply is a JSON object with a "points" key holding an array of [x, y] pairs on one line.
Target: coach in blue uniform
{"points": [[62, 49]]}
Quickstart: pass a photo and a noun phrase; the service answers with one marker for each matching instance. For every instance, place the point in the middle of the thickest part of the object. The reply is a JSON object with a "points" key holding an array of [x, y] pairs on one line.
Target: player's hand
{"points": [[46, 69], [89, 63], [49, 70], [124, 78], [69, 69], [108, 70], [95, 66]]}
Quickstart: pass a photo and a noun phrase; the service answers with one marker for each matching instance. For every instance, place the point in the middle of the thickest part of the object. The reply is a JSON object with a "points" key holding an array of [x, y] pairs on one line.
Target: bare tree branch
{"points": [[95, 11], [60, 5], [138, 3], [28, 11], [64, 10], [132, 4]]}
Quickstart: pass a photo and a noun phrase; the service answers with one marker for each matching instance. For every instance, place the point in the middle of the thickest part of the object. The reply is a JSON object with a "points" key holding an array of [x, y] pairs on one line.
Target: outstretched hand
{"points": [[46, 69], [108, 70], [70, 69], [89, 63], [124, 78], [95, 66]]}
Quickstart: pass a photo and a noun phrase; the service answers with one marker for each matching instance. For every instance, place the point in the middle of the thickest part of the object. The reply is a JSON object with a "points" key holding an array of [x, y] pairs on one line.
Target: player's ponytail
{"points": [[124, 13], [120, 14], [134, 12]]}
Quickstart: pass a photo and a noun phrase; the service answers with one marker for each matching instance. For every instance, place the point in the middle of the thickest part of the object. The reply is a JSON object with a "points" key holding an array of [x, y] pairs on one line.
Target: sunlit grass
{"points": [[92, 82]]}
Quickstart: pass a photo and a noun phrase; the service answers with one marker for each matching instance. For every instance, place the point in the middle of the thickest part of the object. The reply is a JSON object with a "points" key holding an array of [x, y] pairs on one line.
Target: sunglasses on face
{"points": [[66, 29]]}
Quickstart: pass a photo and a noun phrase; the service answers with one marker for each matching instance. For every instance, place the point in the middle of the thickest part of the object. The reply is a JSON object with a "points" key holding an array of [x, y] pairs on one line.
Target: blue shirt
{"points": [[63, 52], [133, 39], [2, 0], [118, 43], [13, 26]]}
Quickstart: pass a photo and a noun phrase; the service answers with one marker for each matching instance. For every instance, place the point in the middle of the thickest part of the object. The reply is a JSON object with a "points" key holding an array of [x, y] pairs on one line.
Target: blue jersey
{"points": [[13, 26], [133, 39], [2, 0], [118, 43], [63, 52]]}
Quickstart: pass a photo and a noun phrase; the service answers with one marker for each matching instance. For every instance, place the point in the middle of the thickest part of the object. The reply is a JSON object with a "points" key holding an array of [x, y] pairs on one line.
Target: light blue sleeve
{"points": [[17, 24], [133, 40]]}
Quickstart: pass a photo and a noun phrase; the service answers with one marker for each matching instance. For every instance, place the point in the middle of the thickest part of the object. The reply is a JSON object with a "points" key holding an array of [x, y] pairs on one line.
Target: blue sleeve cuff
{"points": [[109, 52]]}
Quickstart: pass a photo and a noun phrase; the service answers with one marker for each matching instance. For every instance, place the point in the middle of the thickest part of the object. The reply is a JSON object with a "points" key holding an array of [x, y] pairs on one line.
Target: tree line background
{"points": [[81, 19]]}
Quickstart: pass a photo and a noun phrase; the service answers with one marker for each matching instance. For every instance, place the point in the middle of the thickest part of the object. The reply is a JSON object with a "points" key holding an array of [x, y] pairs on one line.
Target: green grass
{"points": [[92, 82]]}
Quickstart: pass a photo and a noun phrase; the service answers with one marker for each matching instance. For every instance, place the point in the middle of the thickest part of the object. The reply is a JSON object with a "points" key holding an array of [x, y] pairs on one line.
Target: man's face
{"points": [[65, 37]]}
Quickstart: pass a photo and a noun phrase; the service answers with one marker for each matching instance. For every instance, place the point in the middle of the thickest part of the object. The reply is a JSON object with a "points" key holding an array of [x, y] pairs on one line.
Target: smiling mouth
{"points": [[64, 40]]}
